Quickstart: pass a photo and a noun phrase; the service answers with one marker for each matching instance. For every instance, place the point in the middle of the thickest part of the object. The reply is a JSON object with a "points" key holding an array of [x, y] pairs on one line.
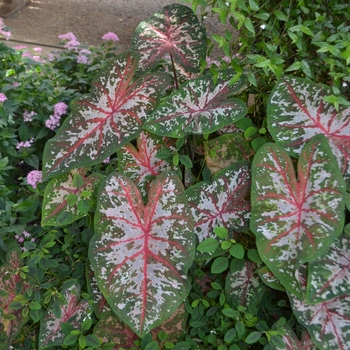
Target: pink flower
{"points": [[110, 37], [70, 40], [67, 37], [34, 177], [20, 47], [27, 117], [54, 120], [3, 32], [107, 160], [25, 144], [60, 108], [26, 234], [3, 97]]}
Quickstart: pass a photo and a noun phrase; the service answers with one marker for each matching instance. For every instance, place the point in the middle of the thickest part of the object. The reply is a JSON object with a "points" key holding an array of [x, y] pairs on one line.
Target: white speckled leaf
{"points": [[73, 312], [296, 112], [102, 122], [295, 220], [100, 305], [243, 285], [329, 275], [328, 323], [174, 30], [140, 162], [221, 202], [56, 198], [270, 279], [10, 277], [292, 342], [198, 107], [141, 253]]}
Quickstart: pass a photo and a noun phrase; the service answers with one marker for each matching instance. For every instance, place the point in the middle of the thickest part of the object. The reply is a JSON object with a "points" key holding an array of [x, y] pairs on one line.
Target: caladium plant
{"points": [[146, 216], [175, 30], [297, 111], [140, 253], [72, 312], [292, 217]]}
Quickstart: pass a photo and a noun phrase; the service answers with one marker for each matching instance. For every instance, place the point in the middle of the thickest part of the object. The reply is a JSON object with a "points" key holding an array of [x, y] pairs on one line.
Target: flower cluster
{"points": [[110, 36], [25, 144], [3, 32], [21, 237], [34, 177], [54, 120], [3, 97], [83, 56], [71, 42], [27, 117]]}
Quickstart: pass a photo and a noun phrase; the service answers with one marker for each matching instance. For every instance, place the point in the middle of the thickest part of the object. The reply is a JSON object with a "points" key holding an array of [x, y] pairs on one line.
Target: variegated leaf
{"points": [[292, 342], [174, 30], [243, 285], [296, 112], [328, 323], [270, 279], [140, 162], [295, 220], [198, 107], [140, 253], [329, 275], [72, 312], [112, 330], [101, 123], [11, 321], [61, 197], [221, 202], [226, 150], [100, 305]]}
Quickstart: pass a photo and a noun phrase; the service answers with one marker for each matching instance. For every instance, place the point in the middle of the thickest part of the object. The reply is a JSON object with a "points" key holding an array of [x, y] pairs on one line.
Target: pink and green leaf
{"points": [[328, 323], [291, 340], [100, 305], [221, 202], [62, 195], [296, 112], [329, 275], [270, 279], [141, 162], [141, 253], [73, 312], [198, 107], [108, 118], [243, 285], [175, 30], [10, 278], [295, 220], [226, 150]]}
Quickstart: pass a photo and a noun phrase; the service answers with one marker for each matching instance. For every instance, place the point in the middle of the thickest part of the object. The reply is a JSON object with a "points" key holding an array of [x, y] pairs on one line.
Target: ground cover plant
{"points": [[159, 214]]}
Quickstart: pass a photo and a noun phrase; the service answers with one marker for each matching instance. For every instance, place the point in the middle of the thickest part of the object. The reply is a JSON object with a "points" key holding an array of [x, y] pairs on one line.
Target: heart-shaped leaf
{"points": [[140, 253], [328, 323], [270, 279], [329, 275], [198, 107], [296, 112], [101, 123], [221, 202], [72, 312], [174, 30], [140, 162], [62, 195], [11, 321], [243, 285], [292, 342], [295, 221]]}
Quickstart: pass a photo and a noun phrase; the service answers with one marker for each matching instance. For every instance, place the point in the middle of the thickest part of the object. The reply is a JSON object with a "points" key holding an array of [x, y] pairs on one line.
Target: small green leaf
{"points": [[220, 264], [253, 337], [230, 335], [237, 251], [82, 341], [70, 339], [78, 181], [186, 161], [92, 340], [249, 25], [221, 232], [208, 245]]}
